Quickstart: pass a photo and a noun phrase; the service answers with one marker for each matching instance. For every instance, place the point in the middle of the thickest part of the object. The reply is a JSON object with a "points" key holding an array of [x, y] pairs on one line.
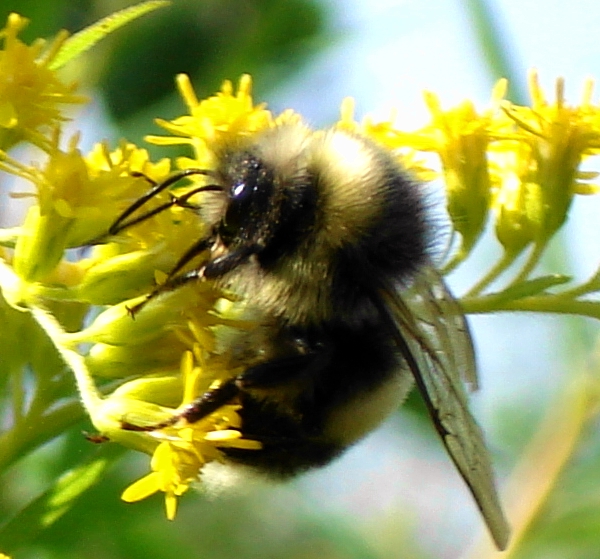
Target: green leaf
{"points": [[523, 291], [88, 37], [57, 500], [534, 286]]}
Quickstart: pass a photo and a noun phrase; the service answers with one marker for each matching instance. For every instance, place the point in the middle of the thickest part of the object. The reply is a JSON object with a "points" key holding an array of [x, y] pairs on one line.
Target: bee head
{"points": [[269, 203], [311, 221]]}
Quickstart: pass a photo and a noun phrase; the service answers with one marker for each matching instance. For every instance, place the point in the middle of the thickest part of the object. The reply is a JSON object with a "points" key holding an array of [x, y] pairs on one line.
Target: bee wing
{"points": [[433, 336]]}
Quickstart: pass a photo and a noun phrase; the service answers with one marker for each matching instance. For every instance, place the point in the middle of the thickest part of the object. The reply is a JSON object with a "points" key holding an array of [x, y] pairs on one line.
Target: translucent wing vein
{"points": [[433, 336]]}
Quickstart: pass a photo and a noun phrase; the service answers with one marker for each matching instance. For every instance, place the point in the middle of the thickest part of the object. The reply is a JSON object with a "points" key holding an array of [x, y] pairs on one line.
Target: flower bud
{"points": [[121, 361], [41, 244], [119, 278]]}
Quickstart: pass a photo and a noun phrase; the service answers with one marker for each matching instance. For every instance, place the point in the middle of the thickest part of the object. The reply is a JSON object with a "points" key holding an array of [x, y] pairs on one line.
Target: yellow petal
{"points": [[142, 488]]}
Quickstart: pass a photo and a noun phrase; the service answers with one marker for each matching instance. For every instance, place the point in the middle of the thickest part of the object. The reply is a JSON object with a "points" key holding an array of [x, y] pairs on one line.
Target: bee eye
{"points": [[249, 199], [239, 206]]}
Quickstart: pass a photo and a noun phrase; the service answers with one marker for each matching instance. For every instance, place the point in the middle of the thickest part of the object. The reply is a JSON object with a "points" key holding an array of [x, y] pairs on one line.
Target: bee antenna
{"points": [[122, 222]]}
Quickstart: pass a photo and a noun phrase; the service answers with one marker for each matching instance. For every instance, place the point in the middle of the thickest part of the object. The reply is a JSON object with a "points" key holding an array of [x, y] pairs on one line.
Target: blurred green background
{"points": [[395, 495]]}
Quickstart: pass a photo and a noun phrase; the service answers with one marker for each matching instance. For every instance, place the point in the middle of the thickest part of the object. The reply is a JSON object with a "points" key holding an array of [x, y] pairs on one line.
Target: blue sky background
{"points": [[390, 51]]}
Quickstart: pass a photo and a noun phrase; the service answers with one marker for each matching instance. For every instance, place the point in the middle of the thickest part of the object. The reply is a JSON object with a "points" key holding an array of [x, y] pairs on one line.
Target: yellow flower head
{"points": [[214, 121], [77, 199], [387, 134], [461, 137], [32, 97], [535, 164], [184, 450]]}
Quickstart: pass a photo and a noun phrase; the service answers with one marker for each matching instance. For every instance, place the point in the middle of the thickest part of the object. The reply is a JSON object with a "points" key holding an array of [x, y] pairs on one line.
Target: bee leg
{"points": [[195, 250], [203, 406], [211, 270], [210, 401], [224, 264], [214, 268], [174, 281], [263, 376]]}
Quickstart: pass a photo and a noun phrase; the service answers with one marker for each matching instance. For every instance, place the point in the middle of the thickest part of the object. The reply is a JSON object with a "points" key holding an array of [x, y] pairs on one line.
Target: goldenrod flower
{"points": [[536, 165], [461, 137], [387, 134], [182, 452], [174, 469], [32, 97], [77, 200], [213, 121], [225, 117]]}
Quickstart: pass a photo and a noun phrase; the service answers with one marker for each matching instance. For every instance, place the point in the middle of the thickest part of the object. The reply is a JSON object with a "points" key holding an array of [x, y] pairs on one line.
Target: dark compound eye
{"points": [[238, 210], [248, 198]]}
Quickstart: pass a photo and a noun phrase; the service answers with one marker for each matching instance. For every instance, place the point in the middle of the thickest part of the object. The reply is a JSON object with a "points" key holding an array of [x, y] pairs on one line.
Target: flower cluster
{"points": [[520, 165], [164, 358], [32, 97]]}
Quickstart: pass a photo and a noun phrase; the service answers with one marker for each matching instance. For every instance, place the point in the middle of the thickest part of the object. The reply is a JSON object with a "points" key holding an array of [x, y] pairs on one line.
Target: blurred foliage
{"points": [[496, 49], [207, 39]]}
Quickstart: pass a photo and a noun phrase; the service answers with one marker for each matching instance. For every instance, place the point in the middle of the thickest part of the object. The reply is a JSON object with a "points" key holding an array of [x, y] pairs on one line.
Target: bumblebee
{"points": [[327, 238]]}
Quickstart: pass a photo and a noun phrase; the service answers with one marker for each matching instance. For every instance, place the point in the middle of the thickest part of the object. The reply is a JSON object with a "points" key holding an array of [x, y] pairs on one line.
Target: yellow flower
{"points": [[536, 165], [174, 469], [32, 97], [222, 118], [77, 200], [213, 121], [461, 137], [387, 135], [183, 451]]}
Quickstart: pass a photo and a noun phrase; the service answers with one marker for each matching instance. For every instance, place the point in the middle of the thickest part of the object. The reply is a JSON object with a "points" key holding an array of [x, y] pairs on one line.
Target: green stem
{"points": [[530, 264], [90, 396], [556, 304], [590, 286], [457, 259], [507, 259]]}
